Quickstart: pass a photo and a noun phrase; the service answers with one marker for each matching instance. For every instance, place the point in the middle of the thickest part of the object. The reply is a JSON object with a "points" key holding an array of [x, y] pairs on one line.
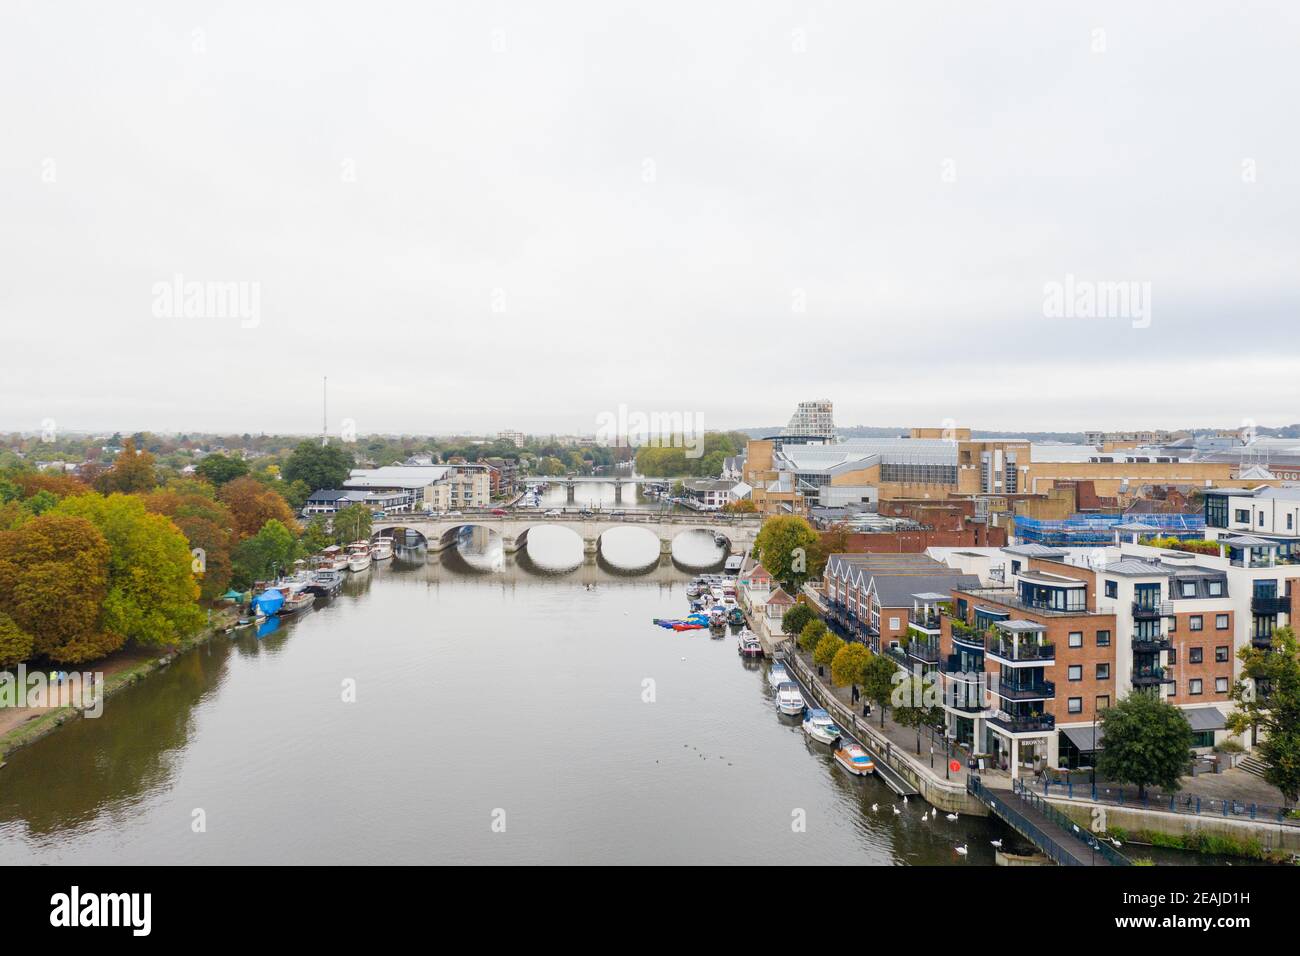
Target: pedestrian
{"points": [[854, 691]]}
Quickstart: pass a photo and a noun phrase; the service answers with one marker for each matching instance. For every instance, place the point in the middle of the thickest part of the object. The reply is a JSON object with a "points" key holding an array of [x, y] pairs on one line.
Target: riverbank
{"points": [[20, 726]]}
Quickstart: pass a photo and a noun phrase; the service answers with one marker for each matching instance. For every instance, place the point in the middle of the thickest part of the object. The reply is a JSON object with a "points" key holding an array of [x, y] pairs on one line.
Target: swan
{"points": [[875, 807], [961, 850], [896, 811], [996, 843], [952, 817]]}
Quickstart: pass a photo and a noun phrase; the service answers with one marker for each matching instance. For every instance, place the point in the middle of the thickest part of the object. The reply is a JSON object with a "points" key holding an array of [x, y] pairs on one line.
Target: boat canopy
{"points": [[817, 713]]}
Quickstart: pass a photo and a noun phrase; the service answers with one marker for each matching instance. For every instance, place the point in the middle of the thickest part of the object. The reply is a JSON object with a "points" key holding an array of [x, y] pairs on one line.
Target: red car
{"points": [[499, 512]]}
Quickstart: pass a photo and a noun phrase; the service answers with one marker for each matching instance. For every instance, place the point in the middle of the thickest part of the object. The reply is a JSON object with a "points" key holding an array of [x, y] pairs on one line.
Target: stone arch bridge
{"points": [[440, 532]]}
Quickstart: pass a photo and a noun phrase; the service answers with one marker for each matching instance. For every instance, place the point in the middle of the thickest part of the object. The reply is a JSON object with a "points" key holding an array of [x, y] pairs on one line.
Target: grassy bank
{"points": [[37, 727], [1200, 841]]}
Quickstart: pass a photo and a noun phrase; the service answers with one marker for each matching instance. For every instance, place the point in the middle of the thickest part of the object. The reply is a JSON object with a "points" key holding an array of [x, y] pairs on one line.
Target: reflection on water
{"points": [[483, 682]]}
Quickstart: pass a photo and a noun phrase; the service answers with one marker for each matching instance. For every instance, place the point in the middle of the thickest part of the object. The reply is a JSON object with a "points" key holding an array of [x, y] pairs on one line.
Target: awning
{"points": [[1205, 718], [1082, 737]]}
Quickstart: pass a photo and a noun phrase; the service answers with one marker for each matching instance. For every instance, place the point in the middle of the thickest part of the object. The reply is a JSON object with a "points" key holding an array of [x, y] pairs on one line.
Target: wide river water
{"points": [[467, 707]]}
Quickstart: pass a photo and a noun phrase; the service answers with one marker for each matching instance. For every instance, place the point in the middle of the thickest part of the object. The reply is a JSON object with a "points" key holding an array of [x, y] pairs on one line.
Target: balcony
{"points": [[1151, 645], [1270, 605], [1262, 642], [1152, 677], [1014, 652], [927, 651], [923, 621], [965, 634], [1013, 724], [1152, 610], [1032, 690]]}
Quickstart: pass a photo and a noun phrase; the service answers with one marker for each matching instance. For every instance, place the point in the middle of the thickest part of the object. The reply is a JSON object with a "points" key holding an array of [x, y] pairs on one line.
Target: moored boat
{"points": [[777, 675], [818, 725], [750, 648], [332, 558], [382, 550], [789, 699], [325, 582], [855, 760], [295, 602], [358, 555]]}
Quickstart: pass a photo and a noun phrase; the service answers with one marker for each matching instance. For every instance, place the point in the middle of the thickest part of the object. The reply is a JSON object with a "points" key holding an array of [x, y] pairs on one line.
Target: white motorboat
{"points": [[358, 556], [333, 559], [789, 699], [777, 675], [383, 549], [818, 725]]}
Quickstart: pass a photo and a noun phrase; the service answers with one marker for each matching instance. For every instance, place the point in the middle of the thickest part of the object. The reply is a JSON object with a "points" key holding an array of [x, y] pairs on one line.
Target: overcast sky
{"points": [[482, 216]]}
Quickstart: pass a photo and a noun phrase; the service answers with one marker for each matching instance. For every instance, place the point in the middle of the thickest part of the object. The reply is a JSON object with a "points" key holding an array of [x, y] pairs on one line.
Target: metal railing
{"points": [[1168, 802], [1095, 843], [1027, 828]]}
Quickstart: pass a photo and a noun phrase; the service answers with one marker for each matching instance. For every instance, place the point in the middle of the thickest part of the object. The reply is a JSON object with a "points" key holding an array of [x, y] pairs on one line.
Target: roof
{"points": [[1247, 541], [1206, 717], [1020, 626], [397, 476], [780, 597], [896, 590], [1083, 737], [1035, 551], [329, 494]]}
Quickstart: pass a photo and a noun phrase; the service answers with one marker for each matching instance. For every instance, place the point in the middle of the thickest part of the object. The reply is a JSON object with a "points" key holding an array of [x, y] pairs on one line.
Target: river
{"points": [[507, 709]]}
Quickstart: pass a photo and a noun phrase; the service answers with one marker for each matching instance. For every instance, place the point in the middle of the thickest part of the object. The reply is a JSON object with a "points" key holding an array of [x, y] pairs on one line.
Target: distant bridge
{"points": [[440, 531]]}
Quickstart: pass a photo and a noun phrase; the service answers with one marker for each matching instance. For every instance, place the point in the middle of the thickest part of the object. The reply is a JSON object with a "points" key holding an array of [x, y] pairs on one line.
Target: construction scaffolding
{"points": [[1097, 531]]}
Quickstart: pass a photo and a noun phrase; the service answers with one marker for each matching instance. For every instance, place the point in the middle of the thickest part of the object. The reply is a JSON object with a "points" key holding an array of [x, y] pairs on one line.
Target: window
{"points": [[1173, 655], [1261, 519], [1189, 589], [1076, 638], [1215, 588], [1015, 567], [1220, 622], [1173, 624], [1288, 521], [1103, 701], [1112, 589], [1103, 638], [1196, 655], [1103, 671], [1194, 687], [893, 623], [1076, 672], [1220, 685], [1173, 688], [1243, 516], [1196, 622], [1203, 738], [1076, 705]]}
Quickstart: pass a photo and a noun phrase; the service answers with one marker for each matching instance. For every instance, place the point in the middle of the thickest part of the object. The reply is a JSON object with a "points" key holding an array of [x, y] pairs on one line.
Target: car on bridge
{"points": [[553, 513], [499, 512]]}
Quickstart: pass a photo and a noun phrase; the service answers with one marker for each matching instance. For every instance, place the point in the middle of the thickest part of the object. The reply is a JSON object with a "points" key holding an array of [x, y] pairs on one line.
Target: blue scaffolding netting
{"points": [[1084, 530]]}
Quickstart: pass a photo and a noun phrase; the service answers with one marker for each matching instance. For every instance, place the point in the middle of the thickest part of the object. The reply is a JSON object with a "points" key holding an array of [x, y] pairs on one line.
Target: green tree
{"points": [[207, 525], [296, 493], [219, 469], [787, 545], [132, 472], [152, 593], [352, 523], [1147, 742], [1268, 700], [849, 665], [812, 634], [319, 466], [916, 705], [15, 643], [316, 536], [826, 649], [796, 619], [878, 683], [54, 576], [267, 553]]}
